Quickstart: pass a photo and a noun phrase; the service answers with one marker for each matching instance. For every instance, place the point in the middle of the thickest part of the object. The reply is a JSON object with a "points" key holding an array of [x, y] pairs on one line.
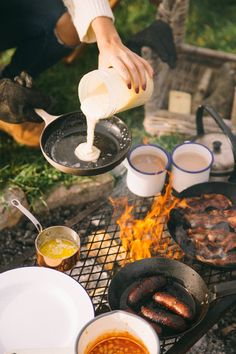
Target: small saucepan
{"points": [[177, 274], [57, 247], [62, 134]]}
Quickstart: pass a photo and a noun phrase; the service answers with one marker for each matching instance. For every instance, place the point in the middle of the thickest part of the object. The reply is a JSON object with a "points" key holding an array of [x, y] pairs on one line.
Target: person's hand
{"points": [[131, 66], [113, 53], [18, 100], [159, 37]]}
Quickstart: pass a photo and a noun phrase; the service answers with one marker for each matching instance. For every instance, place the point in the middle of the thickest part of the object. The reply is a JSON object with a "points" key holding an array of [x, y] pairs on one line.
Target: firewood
{"points": [[165, 122], [202, 88]]}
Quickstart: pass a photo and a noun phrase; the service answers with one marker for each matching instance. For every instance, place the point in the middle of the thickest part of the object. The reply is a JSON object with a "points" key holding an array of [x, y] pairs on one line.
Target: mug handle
{"points": [[226, 130]]}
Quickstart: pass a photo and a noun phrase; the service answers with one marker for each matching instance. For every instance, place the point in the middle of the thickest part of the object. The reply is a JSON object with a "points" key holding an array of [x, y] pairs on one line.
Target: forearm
{"points": [[105, 32], [83, 12]]}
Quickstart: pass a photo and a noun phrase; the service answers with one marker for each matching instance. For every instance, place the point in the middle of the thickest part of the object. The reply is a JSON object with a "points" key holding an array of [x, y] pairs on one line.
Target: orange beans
{"points": [[118, 345]]}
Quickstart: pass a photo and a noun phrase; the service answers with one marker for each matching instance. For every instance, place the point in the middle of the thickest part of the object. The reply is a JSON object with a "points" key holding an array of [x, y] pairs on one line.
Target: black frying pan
{"points": [[175, 224], [175, 271], [63, 134]]}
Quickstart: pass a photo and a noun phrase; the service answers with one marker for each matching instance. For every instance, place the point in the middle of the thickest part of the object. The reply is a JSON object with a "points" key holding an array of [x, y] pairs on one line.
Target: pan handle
{"points": [[48, 118], [27, 213], [223, 289]]}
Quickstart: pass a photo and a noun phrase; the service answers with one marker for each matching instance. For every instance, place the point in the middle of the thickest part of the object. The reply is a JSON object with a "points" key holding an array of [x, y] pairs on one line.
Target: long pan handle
{"points": [[223, 289], [48, 118], [215, 312]]}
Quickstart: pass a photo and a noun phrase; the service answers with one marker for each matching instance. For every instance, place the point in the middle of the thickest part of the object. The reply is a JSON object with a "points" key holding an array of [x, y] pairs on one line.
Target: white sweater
{"points": [[83, 12]]}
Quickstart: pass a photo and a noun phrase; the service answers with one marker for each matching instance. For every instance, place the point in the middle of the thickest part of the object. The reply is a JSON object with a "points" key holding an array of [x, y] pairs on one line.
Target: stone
{"points": [[9, 215], [77, 193]]}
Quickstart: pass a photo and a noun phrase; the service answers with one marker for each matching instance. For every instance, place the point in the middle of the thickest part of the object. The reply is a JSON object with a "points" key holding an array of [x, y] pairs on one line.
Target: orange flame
{"points": [[144, 238]]}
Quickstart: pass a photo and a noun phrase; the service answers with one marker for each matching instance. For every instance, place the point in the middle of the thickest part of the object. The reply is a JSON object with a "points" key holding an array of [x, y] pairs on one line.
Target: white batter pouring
{"points": [[92, 107]]}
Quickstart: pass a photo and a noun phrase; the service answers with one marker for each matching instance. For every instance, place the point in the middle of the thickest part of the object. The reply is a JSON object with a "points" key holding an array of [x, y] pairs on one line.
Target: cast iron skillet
{"points": [[175, 271], [175, 225], [62, 134]]}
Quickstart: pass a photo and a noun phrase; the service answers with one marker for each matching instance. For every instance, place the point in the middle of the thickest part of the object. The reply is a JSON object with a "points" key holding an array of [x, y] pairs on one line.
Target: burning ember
{"points": [[145, 238]]}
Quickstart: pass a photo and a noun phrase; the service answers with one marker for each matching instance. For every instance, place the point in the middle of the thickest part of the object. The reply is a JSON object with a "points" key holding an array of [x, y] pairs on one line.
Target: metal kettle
{"points": [[222, 145]]}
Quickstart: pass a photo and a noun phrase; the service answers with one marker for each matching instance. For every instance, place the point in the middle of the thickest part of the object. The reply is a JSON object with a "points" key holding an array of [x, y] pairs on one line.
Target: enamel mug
{"points": [[146, 169], [191, 164]]}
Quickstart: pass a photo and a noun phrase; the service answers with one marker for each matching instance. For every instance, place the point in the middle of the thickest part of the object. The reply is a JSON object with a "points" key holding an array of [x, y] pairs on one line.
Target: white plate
{"points": [[41, 308]]}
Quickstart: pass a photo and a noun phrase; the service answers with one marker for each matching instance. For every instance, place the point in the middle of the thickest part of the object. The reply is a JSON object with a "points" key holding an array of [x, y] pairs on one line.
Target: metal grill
{"points": [[100, 260], [104, 223]]}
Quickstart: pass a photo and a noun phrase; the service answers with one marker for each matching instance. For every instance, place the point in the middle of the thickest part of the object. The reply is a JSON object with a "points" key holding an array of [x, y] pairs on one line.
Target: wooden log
{"points": [[233, 112], [202, 88], [165, 123], [208, 53]]}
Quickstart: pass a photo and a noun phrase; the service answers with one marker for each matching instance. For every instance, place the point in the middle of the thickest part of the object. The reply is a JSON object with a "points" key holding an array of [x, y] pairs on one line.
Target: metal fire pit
{"points": [[95, 274]]}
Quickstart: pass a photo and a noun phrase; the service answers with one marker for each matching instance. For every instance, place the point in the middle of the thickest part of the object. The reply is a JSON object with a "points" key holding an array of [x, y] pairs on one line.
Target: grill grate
{"points": [[104, 223], [102, 255]]}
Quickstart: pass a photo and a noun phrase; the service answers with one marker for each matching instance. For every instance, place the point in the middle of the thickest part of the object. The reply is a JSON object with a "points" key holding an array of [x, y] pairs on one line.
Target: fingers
{"points": [[133, 69]]}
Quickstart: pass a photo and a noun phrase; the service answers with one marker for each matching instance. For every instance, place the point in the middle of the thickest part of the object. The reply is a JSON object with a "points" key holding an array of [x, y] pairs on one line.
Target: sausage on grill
{"points": [[155, 326], [174, 304], [164, 318], [146, 287]]}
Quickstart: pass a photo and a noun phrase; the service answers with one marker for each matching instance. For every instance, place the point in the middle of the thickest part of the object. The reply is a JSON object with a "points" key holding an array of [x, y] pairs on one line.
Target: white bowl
{"points": [[118, 321]]}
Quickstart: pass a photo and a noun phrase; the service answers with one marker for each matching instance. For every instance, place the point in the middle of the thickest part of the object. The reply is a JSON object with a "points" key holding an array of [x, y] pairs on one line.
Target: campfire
{"points": [[143, 238]]}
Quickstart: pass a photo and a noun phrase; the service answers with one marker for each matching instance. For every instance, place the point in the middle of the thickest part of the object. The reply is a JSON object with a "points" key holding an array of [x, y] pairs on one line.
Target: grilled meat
{"points": [[203, 220], [213, 244], [164, 318], [206, 228], [208, 201], [228, 260], [145, 288], [216, 219], [174, 304]]}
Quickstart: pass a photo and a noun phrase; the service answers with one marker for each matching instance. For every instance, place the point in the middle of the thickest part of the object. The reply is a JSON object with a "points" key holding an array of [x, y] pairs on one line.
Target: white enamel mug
{"points": [[117, 322], [146, 169], [191, 164]]}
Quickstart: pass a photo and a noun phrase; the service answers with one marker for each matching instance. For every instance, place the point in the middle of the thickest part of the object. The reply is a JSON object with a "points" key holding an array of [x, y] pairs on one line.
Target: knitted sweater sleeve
{"points": [[83, 12]]}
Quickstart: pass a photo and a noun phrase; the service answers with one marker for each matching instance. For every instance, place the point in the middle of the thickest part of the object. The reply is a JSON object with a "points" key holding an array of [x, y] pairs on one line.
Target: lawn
{"points": [[210, 24]]}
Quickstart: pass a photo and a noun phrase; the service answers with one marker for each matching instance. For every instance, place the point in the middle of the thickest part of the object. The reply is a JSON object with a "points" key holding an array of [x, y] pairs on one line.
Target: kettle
{"points": [[222, 145]]}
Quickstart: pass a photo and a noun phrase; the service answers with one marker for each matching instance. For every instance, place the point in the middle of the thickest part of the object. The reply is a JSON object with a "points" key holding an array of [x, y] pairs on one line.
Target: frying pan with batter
{"points": [[62, 134]]}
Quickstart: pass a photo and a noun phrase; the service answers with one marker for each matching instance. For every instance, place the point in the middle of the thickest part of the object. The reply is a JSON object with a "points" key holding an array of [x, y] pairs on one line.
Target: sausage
{"points": [[164, 318], [155, 326], [174, 304], [146, 287]]}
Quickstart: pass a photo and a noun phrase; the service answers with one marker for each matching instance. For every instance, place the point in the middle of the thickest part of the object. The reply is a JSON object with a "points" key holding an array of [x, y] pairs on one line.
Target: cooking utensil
{"points": [[223, 145], [115, 322], [191, 164], [40, 351], [57, 233], [174, 226], [41, 308], [146, 176], [176, 271], [62, 134]]}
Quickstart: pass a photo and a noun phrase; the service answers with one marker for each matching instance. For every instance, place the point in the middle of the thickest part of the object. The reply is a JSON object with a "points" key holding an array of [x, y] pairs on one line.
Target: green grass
{"points": [[211, 23], [27, 169]]}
